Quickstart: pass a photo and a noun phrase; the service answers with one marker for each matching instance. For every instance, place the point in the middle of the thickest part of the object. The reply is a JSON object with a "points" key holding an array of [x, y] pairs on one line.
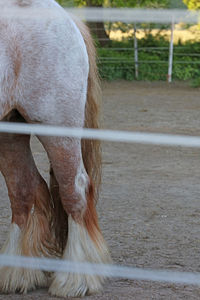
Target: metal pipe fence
{"points": [[173, 52]]}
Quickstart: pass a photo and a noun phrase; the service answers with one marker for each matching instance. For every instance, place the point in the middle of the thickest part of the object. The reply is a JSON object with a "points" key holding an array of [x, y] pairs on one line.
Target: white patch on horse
{"points": [[81, 182], [12, 243], [18, 279], [80, 248], [6, 79]]}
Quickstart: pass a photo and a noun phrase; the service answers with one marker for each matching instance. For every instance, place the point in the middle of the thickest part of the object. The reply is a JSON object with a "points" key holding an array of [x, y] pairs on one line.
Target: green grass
{"points": [[118, 64]]}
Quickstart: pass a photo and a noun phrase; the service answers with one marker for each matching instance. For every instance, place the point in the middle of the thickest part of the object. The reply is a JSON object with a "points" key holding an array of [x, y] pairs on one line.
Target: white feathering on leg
{"points": [[80, 248], [18, 279]]}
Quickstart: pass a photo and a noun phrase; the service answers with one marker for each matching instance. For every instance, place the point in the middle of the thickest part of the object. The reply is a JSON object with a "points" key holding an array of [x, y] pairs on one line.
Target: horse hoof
{"points": [[20, 280], [74, 285]]}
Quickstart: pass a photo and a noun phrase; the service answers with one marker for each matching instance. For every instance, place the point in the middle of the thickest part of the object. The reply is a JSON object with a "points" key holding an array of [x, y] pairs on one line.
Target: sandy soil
{"points": [[180, 34], [149, 206]]}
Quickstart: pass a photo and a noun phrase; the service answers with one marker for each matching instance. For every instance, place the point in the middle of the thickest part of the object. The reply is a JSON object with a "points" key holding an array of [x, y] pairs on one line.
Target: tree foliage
{"points": [[192, 4]]}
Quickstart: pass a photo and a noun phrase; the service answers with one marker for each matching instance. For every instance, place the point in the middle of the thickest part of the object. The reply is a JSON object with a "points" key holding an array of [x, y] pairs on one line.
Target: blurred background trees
{"points": [[192, 4], [116, 55], [98, 28]]}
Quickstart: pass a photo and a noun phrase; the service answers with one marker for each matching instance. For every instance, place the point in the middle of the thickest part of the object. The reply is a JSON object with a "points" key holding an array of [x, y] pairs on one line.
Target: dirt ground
{"points": [[149, 206], [180, 34]]}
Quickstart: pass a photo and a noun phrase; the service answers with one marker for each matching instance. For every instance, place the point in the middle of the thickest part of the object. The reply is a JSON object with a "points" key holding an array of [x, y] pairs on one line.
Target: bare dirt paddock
{"points": [[150, 200]]}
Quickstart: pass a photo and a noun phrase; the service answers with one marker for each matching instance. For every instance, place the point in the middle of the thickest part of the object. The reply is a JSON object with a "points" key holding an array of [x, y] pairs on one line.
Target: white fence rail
{"points": [[131, 15], [126, 15], [55, 265], [105, 135]]}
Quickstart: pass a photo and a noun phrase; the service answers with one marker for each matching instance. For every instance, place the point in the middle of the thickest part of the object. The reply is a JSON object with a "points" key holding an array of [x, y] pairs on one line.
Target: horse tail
{"points": [[91, 149]]}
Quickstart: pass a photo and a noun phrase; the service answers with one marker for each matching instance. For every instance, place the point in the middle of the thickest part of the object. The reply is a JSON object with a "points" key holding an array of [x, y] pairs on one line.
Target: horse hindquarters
{"points": [[51, 89]]}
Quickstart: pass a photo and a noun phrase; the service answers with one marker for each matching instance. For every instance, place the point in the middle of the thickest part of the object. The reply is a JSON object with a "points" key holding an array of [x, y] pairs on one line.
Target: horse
{"points": [[48, 75]]}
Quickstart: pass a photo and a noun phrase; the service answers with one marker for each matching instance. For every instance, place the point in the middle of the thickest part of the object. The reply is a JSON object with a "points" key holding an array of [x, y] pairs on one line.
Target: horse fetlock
{"points": [[80, 248], [21, 280], [14, 279], [76, 211], [74, 285], [74, 204]]}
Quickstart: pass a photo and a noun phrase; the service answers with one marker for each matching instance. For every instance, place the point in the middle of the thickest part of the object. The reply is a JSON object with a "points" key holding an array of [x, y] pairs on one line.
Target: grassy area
{"points": [[153, 63]]}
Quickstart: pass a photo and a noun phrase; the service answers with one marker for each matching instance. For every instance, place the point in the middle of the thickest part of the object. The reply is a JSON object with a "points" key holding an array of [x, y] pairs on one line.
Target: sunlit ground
{"points": [[184, 35]]}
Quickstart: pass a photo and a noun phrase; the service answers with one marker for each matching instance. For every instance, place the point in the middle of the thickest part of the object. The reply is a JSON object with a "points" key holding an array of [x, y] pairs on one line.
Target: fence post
{"points": [[136, 52], [171, 51]]}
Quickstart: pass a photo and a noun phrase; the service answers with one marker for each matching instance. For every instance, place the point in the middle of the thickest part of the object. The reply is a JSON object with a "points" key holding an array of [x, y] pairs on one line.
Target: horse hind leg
{"points": [[31, 214], [85, 241]]}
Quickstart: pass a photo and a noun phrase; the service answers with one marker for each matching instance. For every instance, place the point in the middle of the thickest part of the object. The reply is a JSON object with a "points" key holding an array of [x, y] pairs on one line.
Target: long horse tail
{"points": [[91, 149]]}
